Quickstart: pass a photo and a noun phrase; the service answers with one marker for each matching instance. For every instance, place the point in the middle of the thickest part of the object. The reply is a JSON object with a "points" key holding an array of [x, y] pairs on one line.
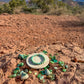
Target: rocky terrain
{"points": [[26, 34]]}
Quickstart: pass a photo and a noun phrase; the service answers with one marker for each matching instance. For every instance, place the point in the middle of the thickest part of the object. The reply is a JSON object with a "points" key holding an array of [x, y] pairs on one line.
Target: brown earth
{"points": [[25, 33]]}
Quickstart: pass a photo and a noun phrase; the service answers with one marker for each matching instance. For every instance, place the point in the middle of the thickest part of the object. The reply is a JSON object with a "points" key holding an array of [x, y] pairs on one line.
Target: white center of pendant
{"points": [[37, 59]]}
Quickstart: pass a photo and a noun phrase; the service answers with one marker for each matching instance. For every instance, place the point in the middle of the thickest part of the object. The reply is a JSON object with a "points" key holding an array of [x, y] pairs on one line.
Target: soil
{"points": [[26, 34]]}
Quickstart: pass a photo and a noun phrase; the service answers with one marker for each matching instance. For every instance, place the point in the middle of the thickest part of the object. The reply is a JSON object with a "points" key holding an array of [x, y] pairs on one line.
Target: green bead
{"points": [[35, 73], [42, 72], [18, 69], [55, 68], [54, 57], [62, 65], [39, 75], [15, 71], [12, 76], [66, 66], [59, 62], [50, 56], [64, 70], [21, 56], [20, 64], [30, 72], [50, 70], [45, 52], [52, 62], [45, 68]]}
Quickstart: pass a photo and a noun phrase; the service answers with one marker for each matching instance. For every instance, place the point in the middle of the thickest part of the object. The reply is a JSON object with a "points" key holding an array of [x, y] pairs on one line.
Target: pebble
{"points": [[24, 76], [64, 70], [47, 72], [66, 66], [55, 68], [30, 72]]}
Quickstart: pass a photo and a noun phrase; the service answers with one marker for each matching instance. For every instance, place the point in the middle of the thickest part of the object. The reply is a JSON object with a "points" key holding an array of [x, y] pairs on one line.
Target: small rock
{"points": [[30, 72], [64, 70], [26, 70], [24, 76], [55, 68], [47, 72]]}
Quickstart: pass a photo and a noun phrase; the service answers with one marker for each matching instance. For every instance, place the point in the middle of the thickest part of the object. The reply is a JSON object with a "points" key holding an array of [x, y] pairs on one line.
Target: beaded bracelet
{"points": [[39, 62]]}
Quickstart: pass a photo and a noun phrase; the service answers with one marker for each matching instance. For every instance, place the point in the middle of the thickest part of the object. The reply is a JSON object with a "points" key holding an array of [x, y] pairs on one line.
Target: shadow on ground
{"points": [[72, 26]]}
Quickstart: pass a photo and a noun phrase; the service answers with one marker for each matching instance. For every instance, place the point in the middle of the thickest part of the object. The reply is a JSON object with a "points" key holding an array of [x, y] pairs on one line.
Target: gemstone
{"points": [[52, 62], [59, 62], [12, 76], [62, 65], [30, 72], [39, 75], [20, 64], [45, 52], [21, 56], [15, 71], [42, 77], [35, 73], [18, 69], [26, 70], [55, 68], [48, 66], [42, 72], [66, 66], [64, 70], [50, 56], [50, 70], [45, 68], [47, 72], [54, 57]]}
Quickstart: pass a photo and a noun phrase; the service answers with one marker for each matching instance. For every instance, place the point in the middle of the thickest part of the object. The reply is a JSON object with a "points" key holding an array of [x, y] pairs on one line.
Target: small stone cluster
{"points": [[45, 73]]}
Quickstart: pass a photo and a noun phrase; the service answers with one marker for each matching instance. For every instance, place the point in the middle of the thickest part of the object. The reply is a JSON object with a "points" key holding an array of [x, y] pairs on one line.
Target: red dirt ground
{"points": [[36, 30], [25, 33]]}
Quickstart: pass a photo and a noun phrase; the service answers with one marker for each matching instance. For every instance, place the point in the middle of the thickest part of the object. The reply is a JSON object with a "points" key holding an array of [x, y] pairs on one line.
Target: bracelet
{"points": [[39, 62]]}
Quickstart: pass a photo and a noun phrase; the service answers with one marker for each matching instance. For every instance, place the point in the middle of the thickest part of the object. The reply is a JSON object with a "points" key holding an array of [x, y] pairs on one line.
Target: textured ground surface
{"points": [[25, 33]]}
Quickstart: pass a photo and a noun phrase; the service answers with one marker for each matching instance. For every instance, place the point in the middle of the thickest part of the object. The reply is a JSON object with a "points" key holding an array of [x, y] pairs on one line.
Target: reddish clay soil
{"points": [[26, 34], [36, 30]]}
